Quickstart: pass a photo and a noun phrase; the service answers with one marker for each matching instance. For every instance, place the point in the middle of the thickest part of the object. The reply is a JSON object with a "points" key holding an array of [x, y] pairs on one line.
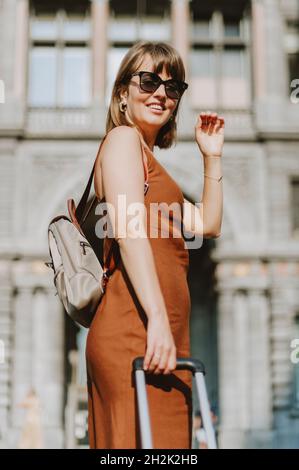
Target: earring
{"points": [[122, 106]]}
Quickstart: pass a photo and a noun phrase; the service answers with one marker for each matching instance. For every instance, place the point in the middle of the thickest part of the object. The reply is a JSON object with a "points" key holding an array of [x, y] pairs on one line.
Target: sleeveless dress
{"points": [[117, 335]]}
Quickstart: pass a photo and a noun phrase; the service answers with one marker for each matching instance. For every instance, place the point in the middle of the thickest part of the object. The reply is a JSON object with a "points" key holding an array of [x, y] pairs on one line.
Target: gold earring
{"points": [[122, 106]]}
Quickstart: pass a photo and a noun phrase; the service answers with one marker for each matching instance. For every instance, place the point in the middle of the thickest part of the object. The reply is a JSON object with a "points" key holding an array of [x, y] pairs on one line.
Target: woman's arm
{"points": [[205, 219], [123, 184], [212, 198], [193, 220]]}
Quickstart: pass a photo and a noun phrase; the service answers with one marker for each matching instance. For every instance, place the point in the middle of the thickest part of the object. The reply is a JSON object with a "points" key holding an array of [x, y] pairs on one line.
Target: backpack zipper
{"points": [[49, 264], [84, 244]]}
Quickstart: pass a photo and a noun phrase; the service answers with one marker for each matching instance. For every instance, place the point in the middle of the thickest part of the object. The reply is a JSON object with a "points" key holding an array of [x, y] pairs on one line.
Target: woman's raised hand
{"points": [[209, 134]]}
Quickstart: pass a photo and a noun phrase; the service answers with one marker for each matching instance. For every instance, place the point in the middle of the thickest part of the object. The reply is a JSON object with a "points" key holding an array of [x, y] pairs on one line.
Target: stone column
{"points": [[48, 362], [21, 49], [281, 336], [38, 361], [100, 17], [258, 49], [180, 22], [13, 68], [180, 32], [241, 332], [244, 355], [22, 353], [234, 383], [228, 364], [276, 63], [260, 360], [271, 66], [7, 46], [5, 350]]}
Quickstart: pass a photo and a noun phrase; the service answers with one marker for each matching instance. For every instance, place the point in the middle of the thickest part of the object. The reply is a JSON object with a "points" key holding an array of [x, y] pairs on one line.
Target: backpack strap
{"points": [[83, 201]]}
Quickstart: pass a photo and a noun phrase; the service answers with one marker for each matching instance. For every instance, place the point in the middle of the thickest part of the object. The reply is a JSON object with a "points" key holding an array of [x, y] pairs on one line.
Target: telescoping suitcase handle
{"points": [[182, 363]]}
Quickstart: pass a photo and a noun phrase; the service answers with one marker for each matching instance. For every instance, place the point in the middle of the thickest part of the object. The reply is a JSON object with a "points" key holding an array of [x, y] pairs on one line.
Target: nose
{"points": [[160, 91]]}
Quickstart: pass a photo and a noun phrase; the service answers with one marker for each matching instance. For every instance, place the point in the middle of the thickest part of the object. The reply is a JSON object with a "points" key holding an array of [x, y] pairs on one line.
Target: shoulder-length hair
{"points": [[162, 54]]}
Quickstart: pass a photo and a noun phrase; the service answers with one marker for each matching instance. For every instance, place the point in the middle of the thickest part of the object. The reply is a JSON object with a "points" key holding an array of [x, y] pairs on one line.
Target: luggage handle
{"points": [[182, 363]]}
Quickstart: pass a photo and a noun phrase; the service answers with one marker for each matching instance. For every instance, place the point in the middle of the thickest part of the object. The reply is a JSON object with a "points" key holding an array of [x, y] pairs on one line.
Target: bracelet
{"points": [[214, 178]]}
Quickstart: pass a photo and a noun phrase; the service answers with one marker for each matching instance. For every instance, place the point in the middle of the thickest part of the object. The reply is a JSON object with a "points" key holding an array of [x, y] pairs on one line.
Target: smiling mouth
{"points": [[156, 109]]}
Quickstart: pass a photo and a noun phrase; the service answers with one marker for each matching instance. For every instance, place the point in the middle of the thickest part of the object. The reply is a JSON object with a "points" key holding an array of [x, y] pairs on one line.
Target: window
{"points": [[131, 21], [294, 65], [60, 54], [139, 19], [295, 206], [292, 48], [219, 55], [232, 28], [114, 58]]}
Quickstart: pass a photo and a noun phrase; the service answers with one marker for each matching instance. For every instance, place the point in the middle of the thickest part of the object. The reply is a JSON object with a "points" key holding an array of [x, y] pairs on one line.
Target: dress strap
{"points": [[145, 161]]}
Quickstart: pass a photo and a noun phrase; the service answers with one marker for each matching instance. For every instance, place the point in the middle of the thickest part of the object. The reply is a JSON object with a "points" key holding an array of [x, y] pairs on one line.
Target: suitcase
{"points": [[198, 370]]}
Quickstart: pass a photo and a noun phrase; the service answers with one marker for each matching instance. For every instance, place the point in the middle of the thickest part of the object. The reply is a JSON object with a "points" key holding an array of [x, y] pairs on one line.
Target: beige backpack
{"points": [[79, 277]]}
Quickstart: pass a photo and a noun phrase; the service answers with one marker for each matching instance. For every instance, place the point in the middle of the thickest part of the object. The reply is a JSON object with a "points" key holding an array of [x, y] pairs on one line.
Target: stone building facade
{"points": [[242, 59]]}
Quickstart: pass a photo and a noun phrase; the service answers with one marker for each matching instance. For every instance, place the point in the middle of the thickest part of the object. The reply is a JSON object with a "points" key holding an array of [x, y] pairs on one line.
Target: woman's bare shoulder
{"points": [[116, 141], [122, 131]]}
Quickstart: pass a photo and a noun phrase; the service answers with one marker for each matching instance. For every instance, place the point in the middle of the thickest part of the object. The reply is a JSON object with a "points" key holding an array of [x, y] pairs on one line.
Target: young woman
{"points": [[146, 307]]}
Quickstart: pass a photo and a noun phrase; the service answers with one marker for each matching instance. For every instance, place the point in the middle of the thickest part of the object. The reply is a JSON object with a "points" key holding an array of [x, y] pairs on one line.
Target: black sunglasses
{"points": [[150, 82]]}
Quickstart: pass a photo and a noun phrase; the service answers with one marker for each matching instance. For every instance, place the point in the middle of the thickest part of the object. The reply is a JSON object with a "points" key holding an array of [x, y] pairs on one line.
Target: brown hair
{"points": [[162, 54]]}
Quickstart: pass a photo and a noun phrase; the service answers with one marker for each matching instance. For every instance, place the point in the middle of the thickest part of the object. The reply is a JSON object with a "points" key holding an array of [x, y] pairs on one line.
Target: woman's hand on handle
{"points": [[160, 354]]}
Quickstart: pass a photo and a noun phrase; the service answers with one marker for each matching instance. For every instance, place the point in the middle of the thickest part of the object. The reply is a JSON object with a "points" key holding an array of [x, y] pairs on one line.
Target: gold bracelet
{"points": [[214, 178]]}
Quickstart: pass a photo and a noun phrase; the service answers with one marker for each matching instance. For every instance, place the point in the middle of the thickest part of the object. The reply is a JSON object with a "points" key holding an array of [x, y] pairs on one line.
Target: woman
{"points": [[146, 307]]}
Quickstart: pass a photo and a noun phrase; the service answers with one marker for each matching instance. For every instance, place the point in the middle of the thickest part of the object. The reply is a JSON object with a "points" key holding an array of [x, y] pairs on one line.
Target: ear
{"points": [[124, 95]]}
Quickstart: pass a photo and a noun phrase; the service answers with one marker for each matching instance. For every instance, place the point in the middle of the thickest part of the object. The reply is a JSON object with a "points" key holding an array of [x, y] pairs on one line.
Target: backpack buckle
{"points": [[49, 264], [105, 278]]}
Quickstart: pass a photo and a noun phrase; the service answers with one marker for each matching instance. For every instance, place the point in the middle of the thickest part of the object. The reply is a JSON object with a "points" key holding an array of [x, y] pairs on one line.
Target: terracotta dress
{"points": [[118, 334]]}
